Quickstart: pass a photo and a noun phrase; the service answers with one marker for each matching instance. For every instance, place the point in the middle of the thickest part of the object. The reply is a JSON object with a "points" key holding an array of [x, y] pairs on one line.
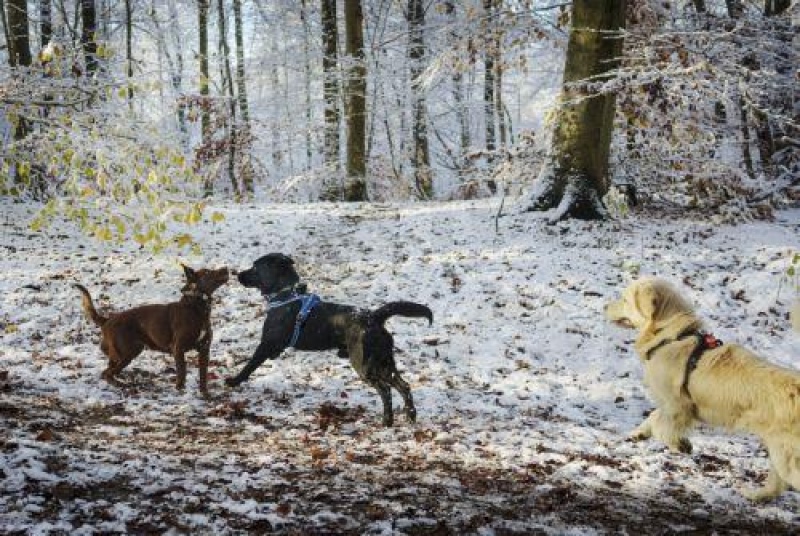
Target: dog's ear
{"points": [[188, 272], [647, 300]]}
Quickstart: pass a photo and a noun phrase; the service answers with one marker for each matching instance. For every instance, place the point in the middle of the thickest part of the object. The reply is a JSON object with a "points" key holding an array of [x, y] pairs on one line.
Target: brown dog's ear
{"points": [[188, 272]]}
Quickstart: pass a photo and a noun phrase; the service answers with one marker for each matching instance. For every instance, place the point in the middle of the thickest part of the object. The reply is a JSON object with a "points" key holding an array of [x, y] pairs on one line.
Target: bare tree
{"points": [[575, 176]]}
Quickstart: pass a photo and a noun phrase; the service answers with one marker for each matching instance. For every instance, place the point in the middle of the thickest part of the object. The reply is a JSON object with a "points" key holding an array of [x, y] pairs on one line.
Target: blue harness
{"points": [[308, 302]]}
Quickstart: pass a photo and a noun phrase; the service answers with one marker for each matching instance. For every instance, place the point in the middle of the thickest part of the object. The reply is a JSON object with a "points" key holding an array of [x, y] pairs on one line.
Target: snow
{"points": [[524, 392]]}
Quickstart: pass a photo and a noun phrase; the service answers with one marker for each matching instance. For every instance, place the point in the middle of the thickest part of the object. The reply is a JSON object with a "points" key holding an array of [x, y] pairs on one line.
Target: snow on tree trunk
{"points": [[575, 173]]}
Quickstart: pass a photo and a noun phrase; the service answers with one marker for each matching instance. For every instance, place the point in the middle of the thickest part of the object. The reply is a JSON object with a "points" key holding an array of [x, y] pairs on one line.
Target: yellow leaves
{"points": [[195, 215], [183, 240]]}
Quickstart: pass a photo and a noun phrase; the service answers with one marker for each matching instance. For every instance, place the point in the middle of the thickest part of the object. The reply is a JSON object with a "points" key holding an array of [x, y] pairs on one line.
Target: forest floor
{"points": [[525, 393]]}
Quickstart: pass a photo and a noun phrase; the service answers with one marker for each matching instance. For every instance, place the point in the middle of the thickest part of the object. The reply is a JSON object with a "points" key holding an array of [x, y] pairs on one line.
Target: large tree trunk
{"points": [[416, 54], [575, 175], [356, 90], [19, 47], [330, 86], [89, 36]]}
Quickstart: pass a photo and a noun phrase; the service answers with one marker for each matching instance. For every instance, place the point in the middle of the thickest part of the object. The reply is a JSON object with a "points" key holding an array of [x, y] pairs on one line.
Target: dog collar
{"points": [[196, 294]]}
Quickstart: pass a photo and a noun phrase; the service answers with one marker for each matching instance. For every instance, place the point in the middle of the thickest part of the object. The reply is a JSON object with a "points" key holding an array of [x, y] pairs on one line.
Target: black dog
{"points": [[293, 320]]}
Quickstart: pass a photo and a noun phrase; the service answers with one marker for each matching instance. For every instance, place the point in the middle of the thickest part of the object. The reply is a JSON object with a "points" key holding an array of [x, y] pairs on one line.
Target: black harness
{"points": [[705, 341]]}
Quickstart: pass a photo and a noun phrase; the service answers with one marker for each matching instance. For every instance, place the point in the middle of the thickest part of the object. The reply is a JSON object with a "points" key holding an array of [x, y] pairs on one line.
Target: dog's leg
{"points": [[202, 364], [784, 468], [773, 487], [666, 426], [385, 393], [405, 391], [119, 357], [180, 368], [644, 430], [263, 352]]}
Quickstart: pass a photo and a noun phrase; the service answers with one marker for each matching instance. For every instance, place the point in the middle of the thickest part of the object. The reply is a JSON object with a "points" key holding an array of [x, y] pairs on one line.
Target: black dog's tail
{"points": [[88, 306], [401, 308]]}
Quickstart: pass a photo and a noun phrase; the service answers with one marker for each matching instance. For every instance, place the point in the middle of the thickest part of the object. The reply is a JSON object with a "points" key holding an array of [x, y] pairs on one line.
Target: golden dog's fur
{"points": [[730, 387]]}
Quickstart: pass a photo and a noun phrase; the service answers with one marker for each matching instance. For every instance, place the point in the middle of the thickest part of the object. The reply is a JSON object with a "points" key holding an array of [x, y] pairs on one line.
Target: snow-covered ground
{"points": [[524, 393]]}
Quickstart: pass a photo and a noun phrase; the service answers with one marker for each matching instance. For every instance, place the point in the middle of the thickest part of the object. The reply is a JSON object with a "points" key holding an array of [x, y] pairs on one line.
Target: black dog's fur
{"points": [[357, 334]]}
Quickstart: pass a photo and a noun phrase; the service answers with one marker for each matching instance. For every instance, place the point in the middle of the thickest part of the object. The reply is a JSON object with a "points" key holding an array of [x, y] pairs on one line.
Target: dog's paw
{"points": [[684, 446], [759, 494], [231, 382], [636, 436]]}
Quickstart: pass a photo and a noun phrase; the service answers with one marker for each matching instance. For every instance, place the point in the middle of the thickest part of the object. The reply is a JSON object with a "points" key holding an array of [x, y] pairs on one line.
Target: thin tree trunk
{"points": [[45, 22], [416, 54], [488, 77], [205, 114], [330, 86], [129, 49], [227, 90], [355, 188], [307, 80], [89, 36], [241, 85], [575, 176]]}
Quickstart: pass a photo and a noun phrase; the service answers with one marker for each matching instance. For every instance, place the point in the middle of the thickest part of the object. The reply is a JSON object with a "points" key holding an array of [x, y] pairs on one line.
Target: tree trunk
{"points": [[416, 55], [129, 49], [488, 77], [776, 7], [242, 131], [45, 22], [307, 76], [575, 176], [356, 89], [459, 98], [89, 36], [241, 86], [19, 47], [205, 114], [330, 87], [227, 90]]}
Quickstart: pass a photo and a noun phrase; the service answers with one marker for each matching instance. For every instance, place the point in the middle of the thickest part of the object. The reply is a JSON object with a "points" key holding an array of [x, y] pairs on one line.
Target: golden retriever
{"points": [[722, 384]]}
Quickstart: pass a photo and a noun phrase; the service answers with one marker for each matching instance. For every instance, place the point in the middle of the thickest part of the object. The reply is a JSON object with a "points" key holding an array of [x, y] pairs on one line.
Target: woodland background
{"points": [[128, 115]]}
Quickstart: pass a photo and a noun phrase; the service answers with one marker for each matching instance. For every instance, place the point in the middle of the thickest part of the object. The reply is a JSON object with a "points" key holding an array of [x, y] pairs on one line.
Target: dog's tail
{"points": [[88, 306], [401, 308]]}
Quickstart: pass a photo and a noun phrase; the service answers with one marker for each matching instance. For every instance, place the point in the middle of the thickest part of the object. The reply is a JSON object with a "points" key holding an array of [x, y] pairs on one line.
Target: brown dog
{"points": [[174, 328]]}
